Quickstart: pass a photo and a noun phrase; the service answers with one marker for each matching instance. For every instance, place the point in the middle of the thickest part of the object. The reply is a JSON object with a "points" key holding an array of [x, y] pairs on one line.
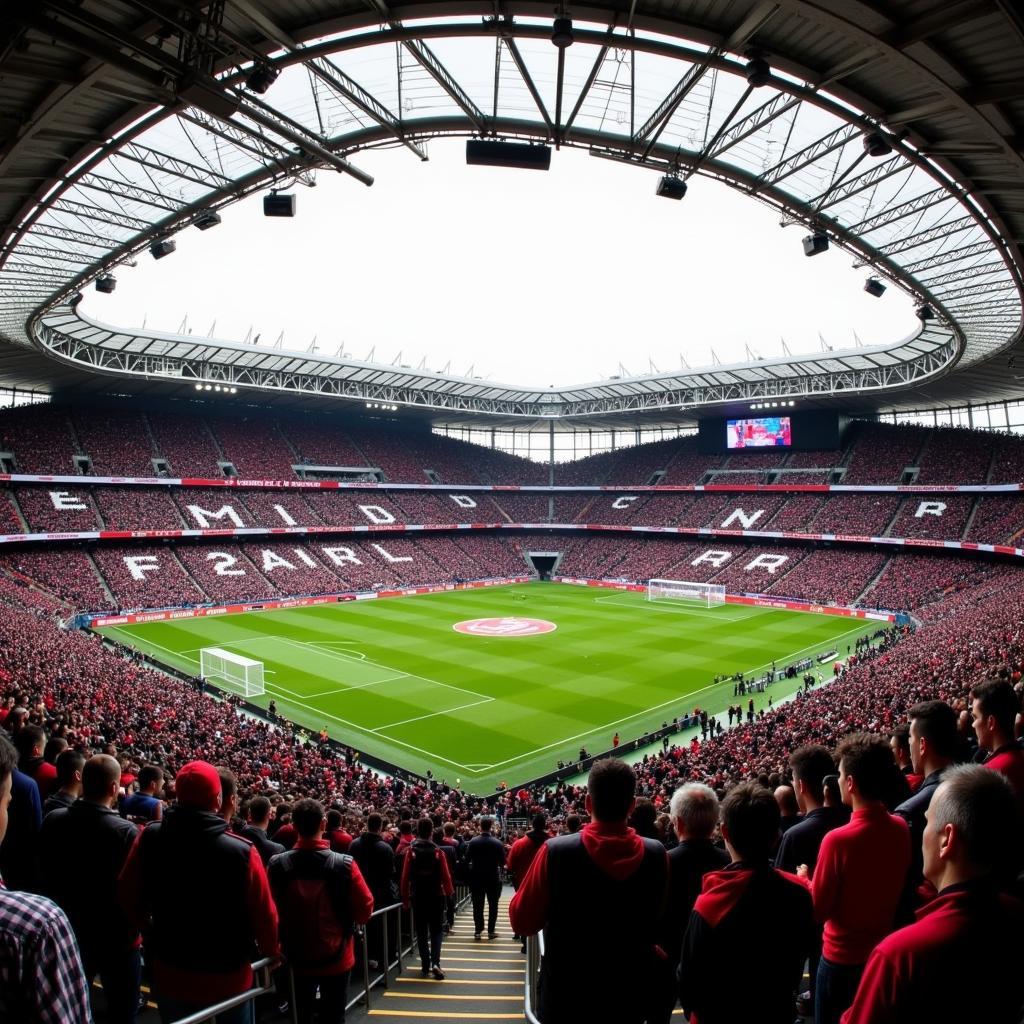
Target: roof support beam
{"points": [[329, 73], [907, 209], [930, 235], [853, 186], [806, 156], [524, 72], [650, 131]]}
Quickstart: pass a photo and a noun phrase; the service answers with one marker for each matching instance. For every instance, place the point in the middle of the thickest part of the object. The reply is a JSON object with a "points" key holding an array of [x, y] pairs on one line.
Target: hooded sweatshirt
{"points": [[615, 848]]}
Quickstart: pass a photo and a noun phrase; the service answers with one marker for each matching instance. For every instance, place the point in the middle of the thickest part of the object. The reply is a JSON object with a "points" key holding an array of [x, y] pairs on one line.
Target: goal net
{"points": [[232, 671], [706, 594]]}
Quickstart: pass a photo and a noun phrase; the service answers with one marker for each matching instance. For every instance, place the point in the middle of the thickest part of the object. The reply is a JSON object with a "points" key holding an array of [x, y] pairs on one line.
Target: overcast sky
{"points": [[528, 277]]}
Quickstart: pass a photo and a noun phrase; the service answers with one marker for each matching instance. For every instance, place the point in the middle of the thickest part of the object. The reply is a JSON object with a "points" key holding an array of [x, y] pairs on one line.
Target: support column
{"points": [[551, 452]]}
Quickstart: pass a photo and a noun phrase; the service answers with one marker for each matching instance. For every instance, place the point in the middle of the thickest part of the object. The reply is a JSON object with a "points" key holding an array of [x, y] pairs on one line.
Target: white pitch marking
{"points": [[433, 714]]}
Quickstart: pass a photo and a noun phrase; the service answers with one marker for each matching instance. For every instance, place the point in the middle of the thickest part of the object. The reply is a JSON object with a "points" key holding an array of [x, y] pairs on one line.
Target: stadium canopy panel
{"points": [[896, 132]]}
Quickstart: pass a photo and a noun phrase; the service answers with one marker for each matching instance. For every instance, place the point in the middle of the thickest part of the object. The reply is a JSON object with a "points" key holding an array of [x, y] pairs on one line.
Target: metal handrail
{"points": [[263, 968], [534, 956]]}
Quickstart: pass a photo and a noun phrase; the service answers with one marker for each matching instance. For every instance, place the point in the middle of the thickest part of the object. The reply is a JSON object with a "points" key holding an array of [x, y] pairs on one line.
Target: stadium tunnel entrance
{"points": [[544, 563]]}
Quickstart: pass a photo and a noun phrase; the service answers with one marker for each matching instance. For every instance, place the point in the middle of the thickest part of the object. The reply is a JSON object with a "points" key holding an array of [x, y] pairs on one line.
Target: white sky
{"points": [[529, 277]]}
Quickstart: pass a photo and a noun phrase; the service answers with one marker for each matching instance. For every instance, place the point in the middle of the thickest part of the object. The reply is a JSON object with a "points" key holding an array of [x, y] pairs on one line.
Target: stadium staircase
{"points": [[483, 980]]}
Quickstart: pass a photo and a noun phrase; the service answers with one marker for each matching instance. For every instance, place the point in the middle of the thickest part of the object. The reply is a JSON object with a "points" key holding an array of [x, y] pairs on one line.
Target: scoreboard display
{"points": [[801, 431]]}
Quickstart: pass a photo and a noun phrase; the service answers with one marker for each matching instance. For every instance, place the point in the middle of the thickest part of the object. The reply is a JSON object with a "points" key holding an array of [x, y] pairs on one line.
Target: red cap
{"points": [[198, 785]]}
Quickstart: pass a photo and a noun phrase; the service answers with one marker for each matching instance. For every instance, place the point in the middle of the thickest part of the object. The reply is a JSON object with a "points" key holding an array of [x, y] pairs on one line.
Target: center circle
{"points": [[507, 626]]}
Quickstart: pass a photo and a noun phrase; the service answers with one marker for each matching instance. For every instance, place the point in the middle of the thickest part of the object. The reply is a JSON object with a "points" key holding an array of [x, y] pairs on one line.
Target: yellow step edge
{"points": [[446, 1015], [438, 995], [457, 981]]}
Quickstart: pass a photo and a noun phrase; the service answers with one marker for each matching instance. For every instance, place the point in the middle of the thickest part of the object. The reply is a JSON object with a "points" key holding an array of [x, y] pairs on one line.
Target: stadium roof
{"points": [[127, 120]]}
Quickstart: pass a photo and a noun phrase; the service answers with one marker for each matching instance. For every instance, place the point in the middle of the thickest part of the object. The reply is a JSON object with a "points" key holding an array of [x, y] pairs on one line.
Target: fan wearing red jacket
{"points": [[961, 959], [201, 898]]}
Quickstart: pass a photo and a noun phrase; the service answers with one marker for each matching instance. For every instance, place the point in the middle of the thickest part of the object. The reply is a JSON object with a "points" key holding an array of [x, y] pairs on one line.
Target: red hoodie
{"points": [[613, 846]]}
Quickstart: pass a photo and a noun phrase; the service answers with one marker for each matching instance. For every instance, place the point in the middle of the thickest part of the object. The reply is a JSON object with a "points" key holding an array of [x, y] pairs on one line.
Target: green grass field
{"points": [[393, 677]]}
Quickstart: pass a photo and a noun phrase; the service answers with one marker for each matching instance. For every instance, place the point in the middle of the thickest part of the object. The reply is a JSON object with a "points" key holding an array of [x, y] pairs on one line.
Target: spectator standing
{"points": [[146, 805], [522, 852], [599, 895], [961, 959], [994, 708], [69, 781], [19, 851], [260, 814], [320, 896], [811, 765], [376, 860], [336, 835], [41, 976], [202, 897], [860, 876], [747, 905], [426, 881], [933, 742], [694, 814], [82, 850], [789, 810], [485, 857], [30, 741]]}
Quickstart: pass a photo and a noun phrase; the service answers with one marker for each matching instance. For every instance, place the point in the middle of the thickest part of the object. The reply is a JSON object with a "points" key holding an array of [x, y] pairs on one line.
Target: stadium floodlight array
{"points": [[706, 594], [232, 671]]}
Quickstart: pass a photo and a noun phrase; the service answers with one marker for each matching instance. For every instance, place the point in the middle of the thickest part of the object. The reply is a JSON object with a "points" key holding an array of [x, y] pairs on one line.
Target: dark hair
{"points": [[810, 764], [750, 816], [486, 824], [374, 822], [228, 784], [572, 823], [53, 748], [996, 697], [150, 774], [69, 762], [901, 734], [8, 757], [27, 739], [405, 827], [869, 760], [538, 822], [424, 828], [612, 786], [981, 804], [333, 819], [936, 723], [307, 817], [259, 808], [644, 816], [98, 773], [449, 828]]}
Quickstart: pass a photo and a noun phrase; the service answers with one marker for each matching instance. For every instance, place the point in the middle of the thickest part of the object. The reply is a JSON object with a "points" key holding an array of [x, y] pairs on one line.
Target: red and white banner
{"points": [[347, 485], [166, 615], [756, 600]]}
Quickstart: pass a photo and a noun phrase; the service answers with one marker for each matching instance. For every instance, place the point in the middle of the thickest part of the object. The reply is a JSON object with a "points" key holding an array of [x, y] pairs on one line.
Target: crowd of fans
{"points": [[126, 443], [62, 688]]}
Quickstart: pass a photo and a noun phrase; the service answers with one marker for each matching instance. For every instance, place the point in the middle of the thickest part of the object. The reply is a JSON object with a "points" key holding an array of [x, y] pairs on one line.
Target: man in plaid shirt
{"points": [[41, 977]]}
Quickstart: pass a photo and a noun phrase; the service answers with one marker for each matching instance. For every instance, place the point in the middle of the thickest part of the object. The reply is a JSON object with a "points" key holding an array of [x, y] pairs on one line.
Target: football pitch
{"points": [[398, 679]]}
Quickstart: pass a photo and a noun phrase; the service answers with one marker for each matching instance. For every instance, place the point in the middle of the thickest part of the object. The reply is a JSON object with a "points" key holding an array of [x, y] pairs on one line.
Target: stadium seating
{"points": [[57, 509], [186, 443], [40, 439], [881, 452], [117, 443], [255, 447]]}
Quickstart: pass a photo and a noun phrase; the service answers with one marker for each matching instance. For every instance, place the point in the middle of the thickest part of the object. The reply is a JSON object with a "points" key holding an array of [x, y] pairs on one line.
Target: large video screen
{"points": [[764, 432]]}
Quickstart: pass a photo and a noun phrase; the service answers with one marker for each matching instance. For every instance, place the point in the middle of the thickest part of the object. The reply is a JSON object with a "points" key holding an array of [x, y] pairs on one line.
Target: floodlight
{"points": [[876, 144], [106, 283], [925, 312], [671, 187], [207, 219], [758, 72], [262, 78], [199, 387], [162, 247], [279, 204], [561, 33], [815, 243], [874, 287]]}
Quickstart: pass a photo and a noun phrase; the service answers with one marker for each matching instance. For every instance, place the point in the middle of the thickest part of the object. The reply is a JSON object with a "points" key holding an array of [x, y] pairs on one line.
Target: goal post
{"points": [[232, 671], [706, 594]]}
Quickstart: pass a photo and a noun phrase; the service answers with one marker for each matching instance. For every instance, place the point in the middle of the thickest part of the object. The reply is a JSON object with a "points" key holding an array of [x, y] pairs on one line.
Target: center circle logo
{"points": [[508, 626]]}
